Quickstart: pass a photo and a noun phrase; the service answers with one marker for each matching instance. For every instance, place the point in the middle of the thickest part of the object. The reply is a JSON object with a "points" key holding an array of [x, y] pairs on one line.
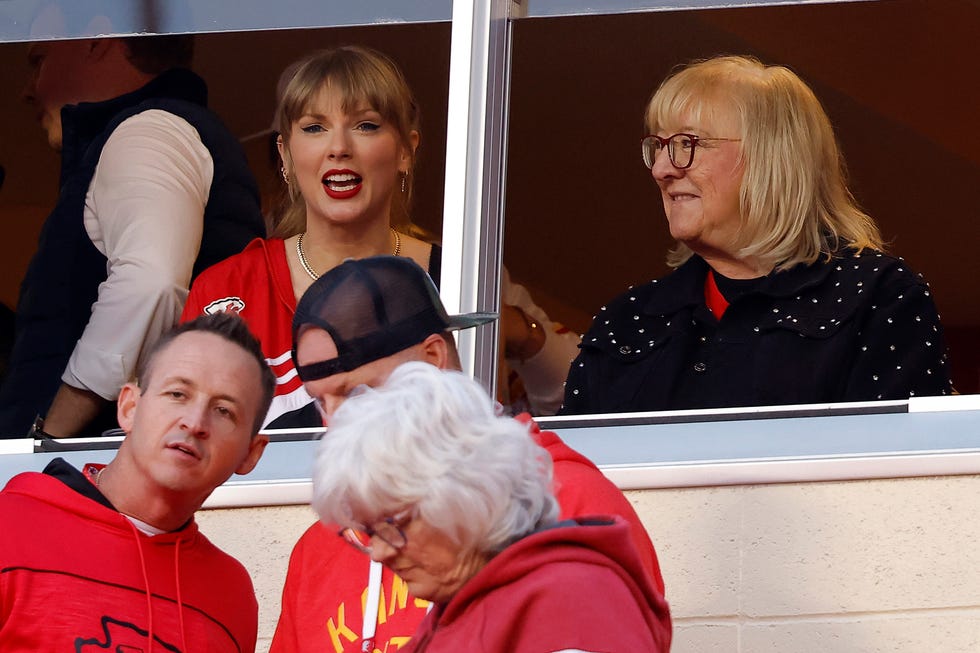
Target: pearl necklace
{"points": [[309, 269]]}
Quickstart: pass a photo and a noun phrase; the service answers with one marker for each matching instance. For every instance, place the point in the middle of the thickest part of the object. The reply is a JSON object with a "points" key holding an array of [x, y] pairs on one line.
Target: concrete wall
{"points": [[856, 567]]}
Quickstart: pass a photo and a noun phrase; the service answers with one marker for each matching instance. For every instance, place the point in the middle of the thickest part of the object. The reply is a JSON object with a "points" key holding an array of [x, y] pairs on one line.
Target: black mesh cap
{"points": [[373, 308]]}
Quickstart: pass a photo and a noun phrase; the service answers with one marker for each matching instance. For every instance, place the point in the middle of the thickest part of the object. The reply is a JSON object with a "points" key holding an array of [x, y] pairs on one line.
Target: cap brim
{"points": [[468, 320]]}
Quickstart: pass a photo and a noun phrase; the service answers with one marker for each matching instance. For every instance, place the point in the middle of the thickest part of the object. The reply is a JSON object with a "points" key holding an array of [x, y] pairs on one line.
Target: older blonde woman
{"points": [[782, 293], [423, 475]]}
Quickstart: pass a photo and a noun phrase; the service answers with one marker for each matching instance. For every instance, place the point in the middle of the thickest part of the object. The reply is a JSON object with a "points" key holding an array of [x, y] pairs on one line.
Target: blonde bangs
{"points": [[680, 97], [362, 77]]}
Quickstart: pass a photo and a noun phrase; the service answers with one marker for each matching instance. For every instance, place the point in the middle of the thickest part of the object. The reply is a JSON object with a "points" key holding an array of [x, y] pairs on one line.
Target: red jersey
{"points": [[325, 596]]}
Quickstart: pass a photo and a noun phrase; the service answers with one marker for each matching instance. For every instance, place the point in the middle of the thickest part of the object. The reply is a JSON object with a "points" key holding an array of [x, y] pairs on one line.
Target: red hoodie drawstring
{"points": [[149, 599], [146, 582], [180, 601]]}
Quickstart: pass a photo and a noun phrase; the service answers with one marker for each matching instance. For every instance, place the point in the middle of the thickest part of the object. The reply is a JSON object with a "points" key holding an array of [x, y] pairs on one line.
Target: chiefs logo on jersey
{"points": [[225, 305]]}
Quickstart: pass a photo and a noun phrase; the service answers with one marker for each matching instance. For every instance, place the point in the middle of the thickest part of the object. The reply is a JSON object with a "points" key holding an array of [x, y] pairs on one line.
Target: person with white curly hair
{"points": [[425, 475]]}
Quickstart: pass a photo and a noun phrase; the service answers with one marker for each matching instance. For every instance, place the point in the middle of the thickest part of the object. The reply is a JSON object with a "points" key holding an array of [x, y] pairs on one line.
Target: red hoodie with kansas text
{"points": [[76, 575], [327, 583], [576, 586]]}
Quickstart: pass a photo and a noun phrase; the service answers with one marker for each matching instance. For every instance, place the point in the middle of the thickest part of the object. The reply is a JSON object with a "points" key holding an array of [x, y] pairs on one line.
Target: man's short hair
{"points": [[233, 329], [155, 54]]}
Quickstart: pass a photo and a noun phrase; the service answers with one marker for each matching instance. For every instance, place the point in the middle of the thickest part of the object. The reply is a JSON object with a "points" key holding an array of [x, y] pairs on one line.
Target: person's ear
{"points": [[435, 351], [287, 162], [129, 396], [283, 152], [255, 449], [408, 155]]}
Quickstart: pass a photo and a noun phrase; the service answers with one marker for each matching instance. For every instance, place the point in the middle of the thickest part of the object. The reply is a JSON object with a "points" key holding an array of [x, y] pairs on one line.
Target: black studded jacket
{"points": [[857, 327]]}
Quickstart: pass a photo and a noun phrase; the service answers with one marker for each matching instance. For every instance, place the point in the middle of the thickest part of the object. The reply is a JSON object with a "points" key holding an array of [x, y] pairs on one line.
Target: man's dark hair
{"points": [[233, 329], [155, 54]]}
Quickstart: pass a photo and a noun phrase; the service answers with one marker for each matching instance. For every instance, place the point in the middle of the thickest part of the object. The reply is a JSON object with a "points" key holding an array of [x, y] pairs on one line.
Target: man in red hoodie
{"points": [[353, 327], [109, 557]]}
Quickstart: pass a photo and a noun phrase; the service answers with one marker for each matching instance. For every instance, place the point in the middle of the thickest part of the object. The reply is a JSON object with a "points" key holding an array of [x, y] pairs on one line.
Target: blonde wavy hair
{"points": [[362, 76], [795, 204]]}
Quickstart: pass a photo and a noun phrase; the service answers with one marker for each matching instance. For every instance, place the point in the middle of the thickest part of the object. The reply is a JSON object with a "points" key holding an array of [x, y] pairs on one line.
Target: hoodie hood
{"points": [[582, 489], [502, 596], [61, 490]]}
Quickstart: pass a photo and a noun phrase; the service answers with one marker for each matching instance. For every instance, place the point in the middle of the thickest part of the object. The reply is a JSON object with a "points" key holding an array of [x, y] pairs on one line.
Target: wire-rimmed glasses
{"points": [[388, 529], [680, 148]]}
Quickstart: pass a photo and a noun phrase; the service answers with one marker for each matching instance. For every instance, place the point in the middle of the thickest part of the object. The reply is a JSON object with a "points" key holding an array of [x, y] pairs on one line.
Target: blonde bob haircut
{"points": [[361, 76], [795, 204]]}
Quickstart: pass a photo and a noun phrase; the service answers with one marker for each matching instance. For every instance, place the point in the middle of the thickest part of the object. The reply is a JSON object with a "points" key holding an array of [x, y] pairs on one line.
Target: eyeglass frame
{"points": [[665, 144], [397, 521]]}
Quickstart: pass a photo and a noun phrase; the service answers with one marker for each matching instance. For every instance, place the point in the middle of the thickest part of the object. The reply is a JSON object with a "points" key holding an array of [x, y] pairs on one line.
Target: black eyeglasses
{"points": [[388, 529], [680, 148]]}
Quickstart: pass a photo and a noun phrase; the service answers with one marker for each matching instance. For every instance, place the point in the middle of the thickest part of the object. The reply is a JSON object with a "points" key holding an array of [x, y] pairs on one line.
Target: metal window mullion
{"points": [[475, 148]]}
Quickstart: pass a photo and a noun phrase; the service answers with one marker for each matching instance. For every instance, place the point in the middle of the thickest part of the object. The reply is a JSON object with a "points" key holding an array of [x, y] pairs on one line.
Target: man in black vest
{"points": [[153, 190]]}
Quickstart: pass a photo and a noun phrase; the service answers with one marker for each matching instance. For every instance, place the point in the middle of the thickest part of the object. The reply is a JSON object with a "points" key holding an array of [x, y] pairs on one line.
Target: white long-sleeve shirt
{"points": [[144, 211]]}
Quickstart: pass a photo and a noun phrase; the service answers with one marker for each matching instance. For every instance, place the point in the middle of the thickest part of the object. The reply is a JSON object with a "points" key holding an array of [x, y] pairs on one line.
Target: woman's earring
{"points": [[285, 175], [404, 180]]}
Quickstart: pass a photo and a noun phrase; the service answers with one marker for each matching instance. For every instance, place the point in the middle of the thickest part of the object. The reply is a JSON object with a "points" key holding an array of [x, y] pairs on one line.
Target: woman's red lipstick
{"points": [[341, 184]]}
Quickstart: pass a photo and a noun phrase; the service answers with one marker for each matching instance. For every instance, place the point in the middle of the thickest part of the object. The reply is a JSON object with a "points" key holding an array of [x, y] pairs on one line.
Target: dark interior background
{"points": [[583, 218]]}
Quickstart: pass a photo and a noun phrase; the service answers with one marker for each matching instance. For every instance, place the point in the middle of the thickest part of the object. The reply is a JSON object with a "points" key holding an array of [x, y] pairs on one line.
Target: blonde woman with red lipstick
{"points": [[781, 293], [348, 131]]}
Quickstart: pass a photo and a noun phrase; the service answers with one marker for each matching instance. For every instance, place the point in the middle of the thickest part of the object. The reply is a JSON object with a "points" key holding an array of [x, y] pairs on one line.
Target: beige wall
{"points": [[851, 567]]}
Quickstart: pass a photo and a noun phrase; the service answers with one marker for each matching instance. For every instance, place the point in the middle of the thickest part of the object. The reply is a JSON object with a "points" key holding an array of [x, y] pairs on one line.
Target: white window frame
{"points": [[920, 437]]}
